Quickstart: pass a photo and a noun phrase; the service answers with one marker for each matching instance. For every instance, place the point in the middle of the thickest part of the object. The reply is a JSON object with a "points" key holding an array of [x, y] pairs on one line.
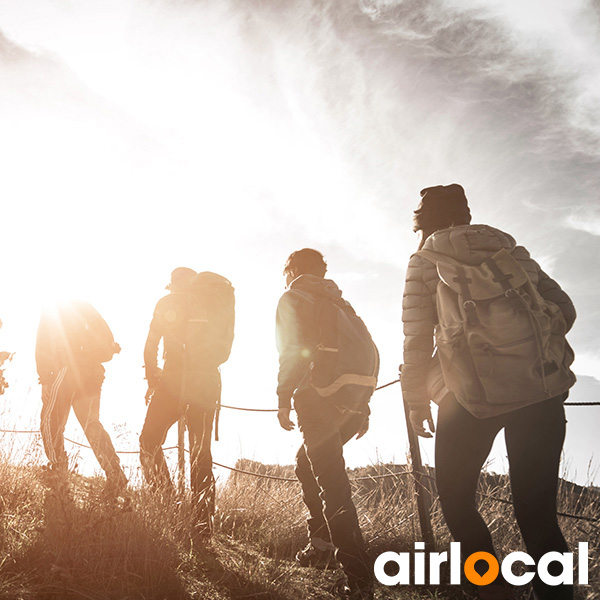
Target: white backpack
{"points": [[500, 344]]}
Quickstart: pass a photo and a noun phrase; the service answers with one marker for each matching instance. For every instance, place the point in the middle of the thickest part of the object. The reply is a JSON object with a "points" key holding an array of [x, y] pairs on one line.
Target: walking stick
{"points": [[181, 455], [181, 427], [422, 488]]}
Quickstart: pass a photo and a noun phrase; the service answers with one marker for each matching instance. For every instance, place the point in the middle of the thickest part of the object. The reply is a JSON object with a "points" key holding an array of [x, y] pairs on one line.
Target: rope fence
{"points": [[582, 403], [266, 410], [417, 473]]}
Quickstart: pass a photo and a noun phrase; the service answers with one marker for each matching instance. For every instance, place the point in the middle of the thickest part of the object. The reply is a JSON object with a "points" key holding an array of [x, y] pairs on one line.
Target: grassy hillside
{"points": [[74, 543]]}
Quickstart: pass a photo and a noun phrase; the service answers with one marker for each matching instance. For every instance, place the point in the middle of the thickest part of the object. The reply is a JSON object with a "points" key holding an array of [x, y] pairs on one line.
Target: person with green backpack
{"points": [[497, 323], [328, 364], [195, 322]]}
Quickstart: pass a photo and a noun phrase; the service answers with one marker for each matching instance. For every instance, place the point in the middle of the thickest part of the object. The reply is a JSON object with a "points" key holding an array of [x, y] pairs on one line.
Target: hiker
{"points": [[4, 356], [73, 340], [329, 365], [502, 362], [195, 321]]}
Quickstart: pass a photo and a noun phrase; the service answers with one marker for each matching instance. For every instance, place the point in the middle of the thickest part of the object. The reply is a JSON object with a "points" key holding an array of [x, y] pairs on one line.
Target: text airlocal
{"points": [[414, 572]]}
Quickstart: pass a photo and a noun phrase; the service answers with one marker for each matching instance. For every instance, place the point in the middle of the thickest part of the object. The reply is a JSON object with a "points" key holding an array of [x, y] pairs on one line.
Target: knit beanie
{"points": [[441, 206]]}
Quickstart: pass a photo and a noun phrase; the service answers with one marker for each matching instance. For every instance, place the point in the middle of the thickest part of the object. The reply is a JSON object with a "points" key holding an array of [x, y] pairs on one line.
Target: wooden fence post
{"points": [[422, 487]]}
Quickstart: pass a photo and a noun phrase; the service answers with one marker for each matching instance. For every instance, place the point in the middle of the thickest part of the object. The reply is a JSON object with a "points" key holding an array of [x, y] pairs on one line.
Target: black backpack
{"points": [[346, 354]]}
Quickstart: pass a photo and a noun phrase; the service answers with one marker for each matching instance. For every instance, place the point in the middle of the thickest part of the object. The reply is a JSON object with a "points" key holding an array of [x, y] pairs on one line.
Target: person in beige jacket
{"points": [[534, 433]]}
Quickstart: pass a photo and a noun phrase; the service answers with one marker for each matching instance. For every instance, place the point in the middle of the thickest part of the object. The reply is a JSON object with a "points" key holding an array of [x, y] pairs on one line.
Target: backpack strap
{"points": [[468, 304], [461, 278], [504, 280]]}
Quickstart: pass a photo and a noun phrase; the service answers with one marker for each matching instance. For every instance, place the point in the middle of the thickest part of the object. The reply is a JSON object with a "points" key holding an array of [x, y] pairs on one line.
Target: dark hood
{"points": [[317, 286]]}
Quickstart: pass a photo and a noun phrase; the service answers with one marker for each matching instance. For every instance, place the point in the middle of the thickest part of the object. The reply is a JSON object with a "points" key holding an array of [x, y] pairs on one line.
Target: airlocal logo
{"points": [[402, 560]]}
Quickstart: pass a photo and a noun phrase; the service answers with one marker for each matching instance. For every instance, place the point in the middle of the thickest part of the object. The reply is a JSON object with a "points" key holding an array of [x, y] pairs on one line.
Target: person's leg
{"points": [[86, 405], [317, 526], [203, 394], [534, 440], [56, 404], [200, 425], [162, 413], [321, 425], [462, 443]]}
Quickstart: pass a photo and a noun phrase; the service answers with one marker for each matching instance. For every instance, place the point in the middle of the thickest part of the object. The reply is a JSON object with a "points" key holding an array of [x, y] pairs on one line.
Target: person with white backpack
{"points": [[484, 330]]}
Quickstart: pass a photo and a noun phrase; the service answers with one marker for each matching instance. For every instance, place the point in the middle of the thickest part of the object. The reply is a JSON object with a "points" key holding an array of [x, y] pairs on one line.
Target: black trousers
{"points": [[534, 440], [321, 470], [164, 410]]}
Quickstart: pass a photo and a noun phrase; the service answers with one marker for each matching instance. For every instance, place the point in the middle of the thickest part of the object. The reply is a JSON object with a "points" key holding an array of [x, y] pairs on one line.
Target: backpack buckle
{"points": [[470, 306]]}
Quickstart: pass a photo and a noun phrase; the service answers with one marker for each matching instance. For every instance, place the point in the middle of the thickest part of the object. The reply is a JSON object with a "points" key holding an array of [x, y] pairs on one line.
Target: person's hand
{"points": [[417, 417], [283, 414], [154, 379], [363, 428], [148, 396]]}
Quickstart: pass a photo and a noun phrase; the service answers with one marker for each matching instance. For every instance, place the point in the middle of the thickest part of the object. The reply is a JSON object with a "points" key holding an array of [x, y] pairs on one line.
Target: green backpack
{"points": [[500, 344]]}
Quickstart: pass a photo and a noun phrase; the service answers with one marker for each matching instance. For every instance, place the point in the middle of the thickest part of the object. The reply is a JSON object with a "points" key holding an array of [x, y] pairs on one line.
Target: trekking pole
{"points": [[181, 455], [181, 427], [422, 489]]}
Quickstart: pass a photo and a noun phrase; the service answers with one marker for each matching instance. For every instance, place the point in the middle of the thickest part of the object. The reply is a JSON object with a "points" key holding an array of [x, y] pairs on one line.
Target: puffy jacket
{"points": [[469, 244]]}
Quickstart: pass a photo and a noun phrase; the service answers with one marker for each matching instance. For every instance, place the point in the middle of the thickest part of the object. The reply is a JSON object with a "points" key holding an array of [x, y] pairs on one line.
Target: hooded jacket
{"points": [[469, 244], [297, 333]]}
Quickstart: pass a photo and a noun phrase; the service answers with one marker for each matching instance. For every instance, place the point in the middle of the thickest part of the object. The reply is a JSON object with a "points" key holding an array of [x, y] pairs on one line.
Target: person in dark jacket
{"points": [[326, 424], [534, 432], [73, 341], [167, 404]]}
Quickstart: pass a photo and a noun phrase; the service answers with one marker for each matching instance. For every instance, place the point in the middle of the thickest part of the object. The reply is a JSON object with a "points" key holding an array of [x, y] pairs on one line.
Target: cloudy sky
{"points": [[141, 135]]}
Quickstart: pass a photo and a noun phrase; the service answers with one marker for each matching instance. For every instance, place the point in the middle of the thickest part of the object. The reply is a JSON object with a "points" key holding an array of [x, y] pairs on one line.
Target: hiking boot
{"points": [[319, 559]]}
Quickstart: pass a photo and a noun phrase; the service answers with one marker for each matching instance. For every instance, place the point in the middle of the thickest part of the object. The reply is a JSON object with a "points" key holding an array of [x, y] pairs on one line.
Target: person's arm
{"points": [[419, 318], [552, 292], [546, 286], [294, 354], [153, 372]]}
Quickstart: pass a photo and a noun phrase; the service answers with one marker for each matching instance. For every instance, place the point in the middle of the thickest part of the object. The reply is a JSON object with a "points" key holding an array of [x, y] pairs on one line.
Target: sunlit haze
{"points": [[137, 136]]}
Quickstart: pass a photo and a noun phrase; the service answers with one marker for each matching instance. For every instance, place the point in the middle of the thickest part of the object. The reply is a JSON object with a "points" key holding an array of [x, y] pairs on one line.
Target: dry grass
{"points": [[60, 545]]}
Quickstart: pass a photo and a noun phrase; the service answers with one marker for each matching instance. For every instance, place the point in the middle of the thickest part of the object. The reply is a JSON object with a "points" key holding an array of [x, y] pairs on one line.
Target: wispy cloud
{"points": [[140, 135], [590, 223], [587, 364]]}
